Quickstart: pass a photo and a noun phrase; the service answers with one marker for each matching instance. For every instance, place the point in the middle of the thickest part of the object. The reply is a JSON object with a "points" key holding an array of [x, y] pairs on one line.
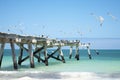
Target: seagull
{"points": [[113, 17], [99, 18]]}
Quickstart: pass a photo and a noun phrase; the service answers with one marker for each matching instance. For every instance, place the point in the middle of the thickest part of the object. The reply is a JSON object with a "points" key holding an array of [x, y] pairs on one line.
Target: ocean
{"points": [[105, 66]]}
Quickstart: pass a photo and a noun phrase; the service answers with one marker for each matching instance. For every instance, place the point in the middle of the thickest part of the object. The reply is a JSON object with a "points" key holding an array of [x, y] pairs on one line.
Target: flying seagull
{"points": [[101, 19], [113, 17], [98, 18]]}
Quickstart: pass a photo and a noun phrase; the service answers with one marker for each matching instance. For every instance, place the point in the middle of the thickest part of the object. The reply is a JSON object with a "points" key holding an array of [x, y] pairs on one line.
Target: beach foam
{"points": [[24, 78], [37, 75]]}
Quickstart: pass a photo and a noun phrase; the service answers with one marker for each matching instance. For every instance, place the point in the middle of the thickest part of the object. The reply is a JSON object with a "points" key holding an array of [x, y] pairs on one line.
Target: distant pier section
{"points": [[41, 44]]}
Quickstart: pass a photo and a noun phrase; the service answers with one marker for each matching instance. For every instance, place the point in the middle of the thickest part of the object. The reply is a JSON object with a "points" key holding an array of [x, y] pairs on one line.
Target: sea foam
{"points": [[34, 75]]}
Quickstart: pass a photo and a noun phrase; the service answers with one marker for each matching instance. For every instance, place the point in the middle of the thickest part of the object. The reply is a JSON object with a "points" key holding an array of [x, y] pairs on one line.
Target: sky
{"points": [[61, 18]]}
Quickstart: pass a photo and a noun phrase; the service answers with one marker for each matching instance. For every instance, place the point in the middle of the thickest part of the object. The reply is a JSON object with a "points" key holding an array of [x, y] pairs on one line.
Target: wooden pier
{"points": [[41, 45]]}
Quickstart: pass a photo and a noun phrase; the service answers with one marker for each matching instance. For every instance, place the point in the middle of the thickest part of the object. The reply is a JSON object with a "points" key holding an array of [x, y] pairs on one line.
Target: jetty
{"points": [[41, 45]]}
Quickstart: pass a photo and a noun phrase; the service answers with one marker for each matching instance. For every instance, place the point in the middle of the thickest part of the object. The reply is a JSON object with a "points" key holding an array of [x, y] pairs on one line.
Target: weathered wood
{"points": [[22, 47], [37, 51], [55, 57], [77, 52], [39, 55], [20, 55], [61, 54], [50, 55], [13, 54], [38, 41], [31, 55], [89, 54], [1, 52], [24, 59], [70, 56], [45, 55], [96, 51], [39, 58]]}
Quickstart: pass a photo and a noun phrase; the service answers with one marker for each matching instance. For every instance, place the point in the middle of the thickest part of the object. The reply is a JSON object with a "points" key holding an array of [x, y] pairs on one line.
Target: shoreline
{"points": [[38, 75]]}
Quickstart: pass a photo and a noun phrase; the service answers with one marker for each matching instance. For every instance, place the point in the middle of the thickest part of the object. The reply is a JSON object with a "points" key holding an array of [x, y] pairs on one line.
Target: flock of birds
{"points": [[100, 19]]}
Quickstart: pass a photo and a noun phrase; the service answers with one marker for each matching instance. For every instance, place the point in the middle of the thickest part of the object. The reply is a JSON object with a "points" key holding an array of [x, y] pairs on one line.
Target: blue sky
{"points": [[61, 18]]}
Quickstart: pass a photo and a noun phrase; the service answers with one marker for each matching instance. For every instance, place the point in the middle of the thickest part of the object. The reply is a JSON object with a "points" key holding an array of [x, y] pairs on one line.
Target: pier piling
{"points": [[77, 52], [61, 54], [1, 52], [70, 55], [20, 55], [45, 55], [13, 54], [89, 54], [31, 55]]}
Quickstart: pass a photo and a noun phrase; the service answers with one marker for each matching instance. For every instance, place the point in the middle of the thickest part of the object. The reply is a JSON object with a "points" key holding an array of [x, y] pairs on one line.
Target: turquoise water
{"points": [[105, 66], [107, 62]]}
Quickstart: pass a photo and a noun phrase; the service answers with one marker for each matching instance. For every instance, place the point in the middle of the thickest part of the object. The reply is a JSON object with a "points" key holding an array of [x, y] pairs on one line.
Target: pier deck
{"points": [[40, 44]]}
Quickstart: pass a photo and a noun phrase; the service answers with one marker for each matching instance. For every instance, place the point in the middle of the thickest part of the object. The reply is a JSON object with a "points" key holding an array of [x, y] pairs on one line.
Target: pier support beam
{"points": [[39, 55], [13, 54], [45, 55], [97, 52], [20, 55], [61, 54], [1, 52], [77, 52], [89, 54], [70, 56], [51, 55], [31, 55]]}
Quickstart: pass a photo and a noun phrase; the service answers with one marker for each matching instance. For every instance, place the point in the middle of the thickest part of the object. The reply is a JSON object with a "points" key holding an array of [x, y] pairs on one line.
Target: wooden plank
{"points": [[38, 50], [55, 57], [50, 55], [20, 55], [1, 52], [31, 55], [13, 54], [22, 47]]}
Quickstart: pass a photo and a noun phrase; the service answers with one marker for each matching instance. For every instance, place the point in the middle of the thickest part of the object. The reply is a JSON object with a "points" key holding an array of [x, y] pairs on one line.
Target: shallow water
{"points": [[104, 66]]}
